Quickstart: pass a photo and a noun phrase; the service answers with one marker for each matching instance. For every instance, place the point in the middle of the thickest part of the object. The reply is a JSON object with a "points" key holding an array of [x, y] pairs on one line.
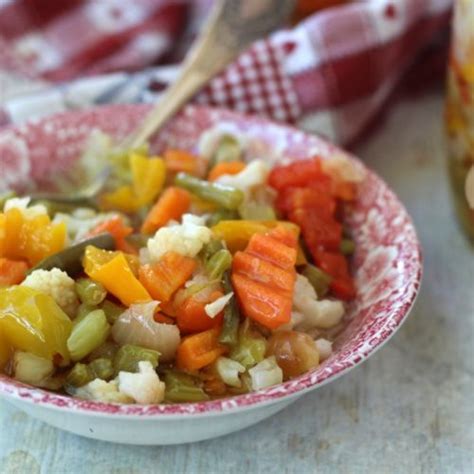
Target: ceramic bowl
{"points": [[387, 267]]}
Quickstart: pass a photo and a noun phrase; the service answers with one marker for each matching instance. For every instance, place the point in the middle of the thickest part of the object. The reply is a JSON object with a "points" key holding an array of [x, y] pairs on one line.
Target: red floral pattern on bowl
{"points": [[387, 264]]}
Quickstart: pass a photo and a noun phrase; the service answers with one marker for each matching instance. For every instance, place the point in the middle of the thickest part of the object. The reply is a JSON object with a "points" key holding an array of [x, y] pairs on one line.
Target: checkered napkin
{"points": [[330, 74]]}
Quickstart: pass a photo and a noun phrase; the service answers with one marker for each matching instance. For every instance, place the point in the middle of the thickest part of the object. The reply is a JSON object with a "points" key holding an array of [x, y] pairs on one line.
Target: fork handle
{"points": [[233, 25]]}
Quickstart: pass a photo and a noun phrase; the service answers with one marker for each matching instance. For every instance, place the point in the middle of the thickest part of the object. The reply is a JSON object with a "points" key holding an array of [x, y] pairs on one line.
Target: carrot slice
{"points": [[172, 204], [115, 226], [12, 272], [225, 167], [191, 315], [199, 350], [264, 274], [181, 160], [268, 306], [163, 278]]}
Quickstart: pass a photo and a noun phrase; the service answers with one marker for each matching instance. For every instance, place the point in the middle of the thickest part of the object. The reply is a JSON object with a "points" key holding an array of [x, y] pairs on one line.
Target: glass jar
{"points": [[459, 113]]}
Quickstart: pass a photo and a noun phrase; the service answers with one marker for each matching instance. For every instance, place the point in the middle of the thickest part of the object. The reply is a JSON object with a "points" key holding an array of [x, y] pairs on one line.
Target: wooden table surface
{"points": [[409, 409]]}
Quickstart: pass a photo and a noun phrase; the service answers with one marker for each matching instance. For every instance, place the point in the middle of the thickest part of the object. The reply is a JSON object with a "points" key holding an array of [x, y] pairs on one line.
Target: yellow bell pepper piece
{"points": [[29, 238], [148, 179], [32, 321], [122, 199], [116, 273]]}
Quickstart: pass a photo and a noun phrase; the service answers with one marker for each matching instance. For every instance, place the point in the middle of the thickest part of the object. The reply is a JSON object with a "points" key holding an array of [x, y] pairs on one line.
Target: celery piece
{"points": [[225, 196], [257, 212], [181, 387], [82, 312], [210, 249], [90, 292], [79, 375], [106, 351], [128, 356], [218, 264], [88, 334], [102, 368], [250, 349], [347, 246], [222, 215], [319, 280], [230, 327], [112, 311]]}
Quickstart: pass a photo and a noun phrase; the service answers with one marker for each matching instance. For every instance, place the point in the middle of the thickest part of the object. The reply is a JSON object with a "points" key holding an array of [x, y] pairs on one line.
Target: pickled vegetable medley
{"points": [[187, 277]]}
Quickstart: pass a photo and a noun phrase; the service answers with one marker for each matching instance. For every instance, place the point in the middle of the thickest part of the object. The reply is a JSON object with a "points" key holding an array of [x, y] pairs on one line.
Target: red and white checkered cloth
{"points": [[330, 74]]}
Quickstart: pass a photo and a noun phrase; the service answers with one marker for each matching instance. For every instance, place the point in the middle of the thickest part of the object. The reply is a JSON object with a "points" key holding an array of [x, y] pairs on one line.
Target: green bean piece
{"points": [[222, 215], [82, 312], [90, 292], [70, 259], [88, 334], [112, 311], [319, 280], [102, 368], [225, 196], [253, 211], [79, 375], [228, 150], [230, 328], [128, 356], [4, 197], [347, 247], [218, 264], [181, 387]]}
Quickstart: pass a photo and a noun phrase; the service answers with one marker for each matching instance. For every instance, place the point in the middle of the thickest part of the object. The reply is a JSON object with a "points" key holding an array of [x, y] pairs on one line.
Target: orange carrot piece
{"points": [[12, 272], [115, 226], [268, 306], [165, 277], [172, 204], [272, 250], [199, 350], [191, 315], [181, 160], [226, 167], [264, 275], [162, 318], [263, 271]]}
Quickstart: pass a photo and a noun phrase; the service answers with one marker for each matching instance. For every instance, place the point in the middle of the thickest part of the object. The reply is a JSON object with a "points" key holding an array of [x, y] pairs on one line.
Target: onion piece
{"points": [[214, 308], [137, 326]]}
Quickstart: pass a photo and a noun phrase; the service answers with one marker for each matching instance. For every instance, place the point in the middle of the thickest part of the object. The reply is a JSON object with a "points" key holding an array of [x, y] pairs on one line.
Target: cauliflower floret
{"points": [[342, 168], [22, 205], [57, 284], [266, 373], [186, 239], [102, 391], [324, 348], [144, 387], [321, 314], [211, 138], [253, 175]]}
